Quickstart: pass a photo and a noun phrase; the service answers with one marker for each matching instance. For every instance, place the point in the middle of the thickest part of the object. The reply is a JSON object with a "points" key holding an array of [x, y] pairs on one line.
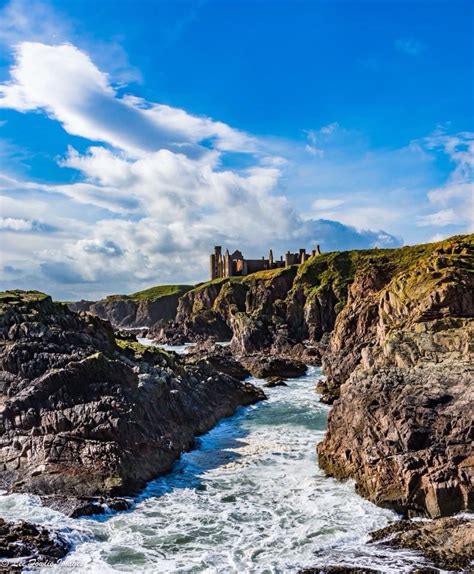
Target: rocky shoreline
{"points": [[95, 415], [84, 414]]}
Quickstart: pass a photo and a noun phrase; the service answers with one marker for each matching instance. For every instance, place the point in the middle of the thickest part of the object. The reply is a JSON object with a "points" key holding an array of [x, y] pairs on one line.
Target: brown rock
{"points": [[447, 542]]}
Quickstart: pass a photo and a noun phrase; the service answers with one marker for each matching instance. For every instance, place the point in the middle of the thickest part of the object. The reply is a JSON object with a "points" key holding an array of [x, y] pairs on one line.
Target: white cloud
{"points": [[15, 224], [325, 203], [440, 218], [148, 203], [38, 21], [64, 82], [456, 196]]}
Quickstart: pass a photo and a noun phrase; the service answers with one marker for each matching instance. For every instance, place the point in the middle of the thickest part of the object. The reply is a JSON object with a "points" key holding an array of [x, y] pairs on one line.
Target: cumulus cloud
{"points": [[149, 201], [14, 224], [21, 225], [38, 21]]}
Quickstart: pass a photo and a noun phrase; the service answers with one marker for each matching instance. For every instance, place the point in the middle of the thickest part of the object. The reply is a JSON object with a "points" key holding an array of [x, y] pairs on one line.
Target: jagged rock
{"points": [[220, 358], [85, 505], [447, 542], [23, 543], [400, 361], [275, 382], [263, 366], [143, 309], [83, 414], [405, 437]]}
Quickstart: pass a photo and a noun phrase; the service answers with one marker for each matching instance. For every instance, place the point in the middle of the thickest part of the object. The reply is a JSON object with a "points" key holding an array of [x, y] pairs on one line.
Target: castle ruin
{"points": [[231, 265]]}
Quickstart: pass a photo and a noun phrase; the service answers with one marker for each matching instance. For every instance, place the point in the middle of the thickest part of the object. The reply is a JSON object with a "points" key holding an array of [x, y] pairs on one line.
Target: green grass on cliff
{"points": [[154, 293], [221, 280], [336, 270], [258, 275], [20, 295], [269, 274]]}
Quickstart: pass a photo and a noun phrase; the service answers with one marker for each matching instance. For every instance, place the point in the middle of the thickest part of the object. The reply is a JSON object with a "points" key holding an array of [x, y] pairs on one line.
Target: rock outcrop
{"points": [[22, 544], [448, 542], [148, 308], [83, 414], [399, 367]]}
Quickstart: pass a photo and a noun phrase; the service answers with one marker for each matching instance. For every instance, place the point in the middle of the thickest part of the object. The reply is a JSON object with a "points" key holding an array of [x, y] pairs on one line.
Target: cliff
{"points": [[394, 330], [142, 309], [399, 364], [84, 414]]}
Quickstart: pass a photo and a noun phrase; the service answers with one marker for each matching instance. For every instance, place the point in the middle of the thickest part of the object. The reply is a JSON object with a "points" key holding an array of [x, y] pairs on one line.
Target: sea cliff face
{"points": [[142, 309], [394, 331], [85, 414], [400, 366]]}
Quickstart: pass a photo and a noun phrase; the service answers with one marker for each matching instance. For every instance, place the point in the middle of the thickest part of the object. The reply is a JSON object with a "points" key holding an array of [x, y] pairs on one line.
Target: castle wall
{"points": [[227, 265]]}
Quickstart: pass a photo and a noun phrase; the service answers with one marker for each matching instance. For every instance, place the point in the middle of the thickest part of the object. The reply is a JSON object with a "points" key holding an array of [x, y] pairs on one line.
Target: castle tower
{"points": [[270, 259], [228, 271], [213, 266]]}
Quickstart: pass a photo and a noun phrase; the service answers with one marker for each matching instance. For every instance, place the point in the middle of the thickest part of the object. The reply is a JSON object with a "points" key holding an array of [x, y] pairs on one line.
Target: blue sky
{"points": [[136, 135]]}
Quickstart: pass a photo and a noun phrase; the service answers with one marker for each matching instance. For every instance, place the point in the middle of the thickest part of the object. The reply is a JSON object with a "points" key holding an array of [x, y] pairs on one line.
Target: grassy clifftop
{"points": [[337, 270], [159, 291]]}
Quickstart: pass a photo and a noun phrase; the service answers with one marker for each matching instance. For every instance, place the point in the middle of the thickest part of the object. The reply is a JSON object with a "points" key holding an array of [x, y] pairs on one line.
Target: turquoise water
{"points": [[249, 498]]}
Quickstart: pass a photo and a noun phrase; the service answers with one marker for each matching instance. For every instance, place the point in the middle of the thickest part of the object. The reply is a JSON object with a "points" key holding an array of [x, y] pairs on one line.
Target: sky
{"points": [[136, 135]]}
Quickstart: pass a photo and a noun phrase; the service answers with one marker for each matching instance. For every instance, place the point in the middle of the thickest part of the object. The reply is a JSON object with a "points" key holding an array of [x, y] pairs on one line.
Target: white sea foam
{"points": [[250, 498]]}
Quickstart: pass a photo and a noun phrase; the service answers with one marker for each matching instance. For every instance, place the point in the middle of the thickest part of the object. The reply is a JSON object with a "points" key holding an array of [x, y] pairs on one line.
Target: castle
{"points": [[229, 265]]}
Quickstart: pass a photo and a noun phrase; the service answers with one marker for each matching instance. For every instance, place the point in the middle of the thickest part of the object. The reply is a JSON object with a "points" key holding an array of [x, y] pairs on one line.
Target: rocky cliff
{"points": [[394, 330], [84, 414], [142, 309], [399, 364]]}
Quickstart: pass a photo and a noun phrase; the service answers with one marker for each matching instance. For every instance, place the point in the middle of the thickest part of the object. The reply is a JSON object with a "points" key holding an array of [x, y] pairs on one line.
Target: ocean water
{"points": [[249, 498]]}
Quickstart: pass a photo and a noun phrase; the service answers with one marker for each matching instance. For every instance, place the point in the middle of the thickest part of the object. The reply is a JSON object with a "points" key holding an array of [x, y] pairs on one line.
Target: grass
{"points": [[269, 274], [154, 293], [20, 295], [202, 286], [140, 350], [336, 270]]}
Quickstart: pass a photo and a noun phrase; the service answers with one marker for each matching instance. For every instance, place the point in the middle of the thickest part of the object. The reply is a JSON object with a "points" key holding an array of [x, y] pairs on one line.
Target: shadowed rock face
{"points": [[83, 416], [123, 311], [399, 365]]}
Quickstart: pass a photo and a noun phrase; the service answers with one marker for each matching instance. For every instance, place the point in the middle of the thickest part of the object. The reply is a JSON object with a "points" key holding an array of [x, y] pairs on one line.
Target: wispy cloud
{"points": [[456, 196]]}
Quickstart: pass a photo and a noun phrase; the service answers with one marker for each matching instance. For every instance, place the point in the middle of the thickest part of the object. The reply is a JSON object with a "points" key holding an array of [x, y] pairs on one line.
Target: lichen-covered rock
{"points": [[85, 415]]}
